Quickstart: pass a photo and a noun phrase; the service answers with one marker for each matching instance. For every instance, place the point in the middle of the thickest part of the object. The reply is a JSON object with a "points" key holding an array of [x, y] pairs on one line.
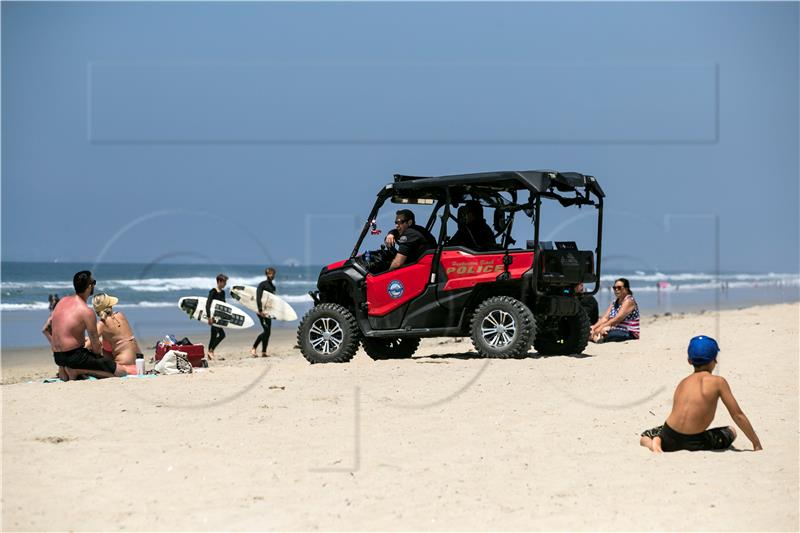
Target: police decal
{"points": [[395, 289]]}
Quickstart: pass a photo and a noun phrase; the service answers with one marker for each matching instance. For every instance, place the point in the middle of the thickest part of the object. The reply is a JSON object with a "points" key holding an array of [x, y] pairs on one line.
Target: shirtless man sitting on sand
{"points": [[694, 405], [71, 320], [116, 334]]}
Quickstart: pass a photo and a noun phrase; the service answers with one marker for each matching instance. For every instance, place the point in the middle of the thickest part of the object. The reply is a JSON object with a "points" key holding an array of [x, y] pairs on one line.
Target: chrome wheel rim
{"points": [[325, 335], [498, 329]]}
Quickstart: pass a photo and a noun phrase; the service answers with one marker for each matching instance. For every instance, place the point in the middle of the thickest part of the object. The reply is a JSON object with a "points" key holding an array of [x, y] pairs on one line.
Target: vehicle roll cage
{"points": [[452, 190]]}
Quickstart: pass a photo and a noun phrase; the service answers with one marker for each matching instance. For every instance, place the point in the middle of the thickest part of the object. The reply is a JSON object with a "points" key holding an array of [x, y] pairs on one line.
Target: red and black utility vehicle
{"points": [[505, 296]]}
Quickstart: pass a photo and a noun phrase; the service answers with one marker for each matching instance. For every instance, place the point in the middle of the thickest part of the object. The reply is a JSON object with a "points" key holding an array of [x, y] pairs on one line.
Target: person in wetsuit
{"points": [[694, 405], [217, 333], [266, 320], [411, 240], [473, 231]]}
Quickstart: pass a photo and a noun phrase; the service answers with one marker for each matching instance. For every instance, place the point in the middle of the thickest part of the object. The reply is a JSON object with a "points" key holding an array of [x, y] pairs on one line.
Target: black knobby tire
{"points": [[502, 327], [565, 335], [380, 348], [343, 337]]}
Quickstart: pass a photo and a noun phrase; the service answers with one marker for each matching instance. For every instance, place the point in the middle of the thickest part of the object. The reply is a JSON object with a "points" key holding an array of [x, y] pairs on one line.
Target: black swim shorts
{"points": [[83, 359], [719, 438]]}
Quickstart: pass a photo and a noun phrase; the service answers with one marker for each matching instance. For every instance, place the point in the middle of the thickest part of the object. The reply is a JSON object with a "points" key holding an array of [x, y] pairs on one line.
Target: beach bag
{"points": [[174, 362]]}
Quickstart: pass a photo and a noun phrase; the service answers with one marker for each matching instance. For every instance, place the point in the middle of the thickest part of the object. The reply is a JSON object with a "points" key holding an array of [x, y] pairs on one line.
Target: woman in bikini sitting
{"points": [[117, 336]]}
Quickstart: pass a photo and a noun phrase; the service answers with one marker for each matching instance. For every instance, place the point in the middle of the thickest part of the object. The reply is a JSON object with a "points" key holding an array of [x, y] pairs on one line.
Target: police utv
{"points": [[505, 297]]}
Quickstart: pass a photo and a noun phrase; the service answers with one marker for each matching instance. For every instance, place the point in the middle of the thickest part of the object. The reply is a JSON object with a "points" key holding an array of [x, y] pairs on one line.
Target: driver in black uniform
{"points": [[411, 240]]}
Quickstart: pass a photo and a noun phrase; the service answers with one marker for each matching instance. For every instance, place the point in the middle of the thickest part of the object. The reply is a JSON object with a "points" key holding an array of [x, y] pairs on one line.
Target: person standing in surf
{"points": [[265, 319], [217, 333]]}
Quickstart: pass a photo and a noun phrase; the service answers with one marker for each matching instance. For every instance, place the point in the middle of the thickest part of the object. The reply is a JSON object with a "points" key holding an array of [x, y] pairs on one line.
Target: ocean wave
{"points": [[702, 276], [18, 294], [35, 306], [148, 305], [18, 285], [152, 284], [43, 306], [716, 285], [295, 298]]}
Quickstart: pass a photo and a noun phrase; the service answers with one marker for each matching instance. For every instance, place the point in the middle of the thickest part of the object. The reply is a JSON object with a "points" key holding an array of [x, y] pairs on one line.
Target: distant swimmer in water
{"points": [[71, 321], [116, 333], [694, 405]]}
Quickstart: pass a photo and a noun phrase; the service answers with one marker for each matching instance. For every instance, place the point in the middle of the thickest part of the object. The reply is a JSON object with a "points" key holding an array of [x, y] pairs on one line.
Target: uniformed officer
{"points": [[411, 240], [473, 231]]}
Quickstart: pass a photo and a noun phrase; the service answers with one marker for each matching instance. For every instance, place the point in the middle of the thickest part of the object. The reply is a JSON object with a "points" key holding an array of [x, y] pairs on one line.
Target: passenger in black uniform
{"points": [[411, 240], [217, 333], [473, 231], [266, 320]]}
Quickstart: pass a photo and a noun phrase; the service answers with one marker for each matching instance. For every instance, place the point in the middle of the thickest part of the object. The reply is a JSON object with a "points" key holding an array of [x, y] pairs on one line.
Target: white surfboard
{"points": [[225, 315], [271, 305]]}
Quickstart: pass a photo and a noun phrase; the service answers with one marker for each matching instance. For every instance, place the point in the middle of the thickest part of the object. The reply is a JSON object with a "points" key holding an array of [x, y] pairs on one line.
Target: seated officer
{"points": [[473, 232], [412, 240]]}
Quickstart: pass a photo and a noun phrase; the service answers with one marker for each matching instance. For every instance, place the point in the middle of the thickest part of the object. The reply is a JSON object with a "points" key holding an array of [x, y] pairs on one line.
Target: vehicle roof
{"points": [[538, 181]]}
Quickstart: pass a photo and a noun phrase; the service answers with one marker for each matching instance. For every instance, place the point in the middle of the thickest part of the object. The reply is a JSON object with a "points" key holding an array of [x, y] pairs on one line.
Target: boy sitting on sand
{"points": [[694, 405]]}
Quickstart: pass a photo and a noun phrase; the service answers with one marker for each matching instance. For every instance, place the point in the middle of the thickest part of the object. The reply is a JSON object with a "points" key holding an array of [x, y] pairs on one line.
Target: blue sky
{"points": [[261, 132]]}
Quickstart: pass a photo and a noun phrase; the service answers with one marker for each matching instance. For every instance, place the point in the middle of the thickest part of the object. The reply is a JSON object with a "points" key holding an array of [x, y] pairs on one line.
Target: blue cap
{"points": [[702, 350]]}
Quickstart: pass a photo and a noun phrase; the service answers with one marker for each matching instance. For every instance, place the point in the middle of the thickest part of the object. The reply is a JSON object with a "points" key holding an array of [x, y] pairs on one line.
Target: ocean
{"points": [[148, 293]]}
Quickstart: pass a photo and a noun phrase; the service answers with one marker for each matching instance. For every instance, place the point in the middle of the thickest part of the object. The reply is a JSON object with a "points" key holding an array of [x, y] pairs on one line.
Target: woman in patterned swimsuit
{"points": [[620, 322]]}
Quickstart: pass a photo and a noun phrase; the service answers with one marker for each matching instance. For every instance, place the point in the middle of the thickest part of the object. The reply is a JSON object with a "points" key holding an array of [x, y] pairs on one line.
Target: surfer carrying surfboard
{"points": [[266, 320], [217, 333]]}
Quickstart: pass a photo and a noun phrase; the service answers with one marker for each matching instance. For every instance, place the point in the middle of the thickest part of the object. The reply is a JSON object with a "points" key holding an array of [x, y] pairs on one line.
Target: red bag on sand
{"points": [[195, 352]]}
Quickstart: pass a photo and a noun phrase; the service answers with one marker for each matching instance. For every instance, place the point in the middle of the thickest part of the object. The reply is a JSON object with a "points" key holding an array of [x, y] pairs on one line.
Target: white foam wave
{"points": [[296, 298], [41, 306], [148, 305], [35, 306], [701, 276], [192, 283], [715, 285], [201, 284], [18, 285]]}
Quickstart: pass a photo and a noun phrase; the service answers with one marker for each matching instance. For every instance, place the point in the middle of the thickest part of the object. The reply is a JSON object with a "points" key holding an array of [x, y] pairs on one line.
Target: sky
{"points": [[260, 133]]}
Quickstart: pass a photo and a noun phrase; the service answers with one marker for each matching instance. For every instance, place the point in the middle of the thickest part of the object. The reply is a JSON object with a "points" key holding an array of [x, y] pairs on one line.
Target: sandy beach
{"points": [[443, 441]]}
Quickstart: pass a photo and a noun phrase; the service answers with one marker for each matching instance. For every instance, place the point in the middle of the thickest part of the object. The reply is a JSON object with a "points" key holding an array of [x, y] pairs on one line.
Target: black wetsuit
{"points": [[414, 241], [217, 333], [266, 322], [719, 438], [476, 235]]}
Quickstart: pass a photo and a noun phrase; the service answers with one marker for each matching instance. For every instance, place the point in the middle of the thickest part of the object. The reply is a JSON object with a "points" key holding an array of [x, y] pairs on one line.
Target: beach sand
{"points": [[442, 441]]}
